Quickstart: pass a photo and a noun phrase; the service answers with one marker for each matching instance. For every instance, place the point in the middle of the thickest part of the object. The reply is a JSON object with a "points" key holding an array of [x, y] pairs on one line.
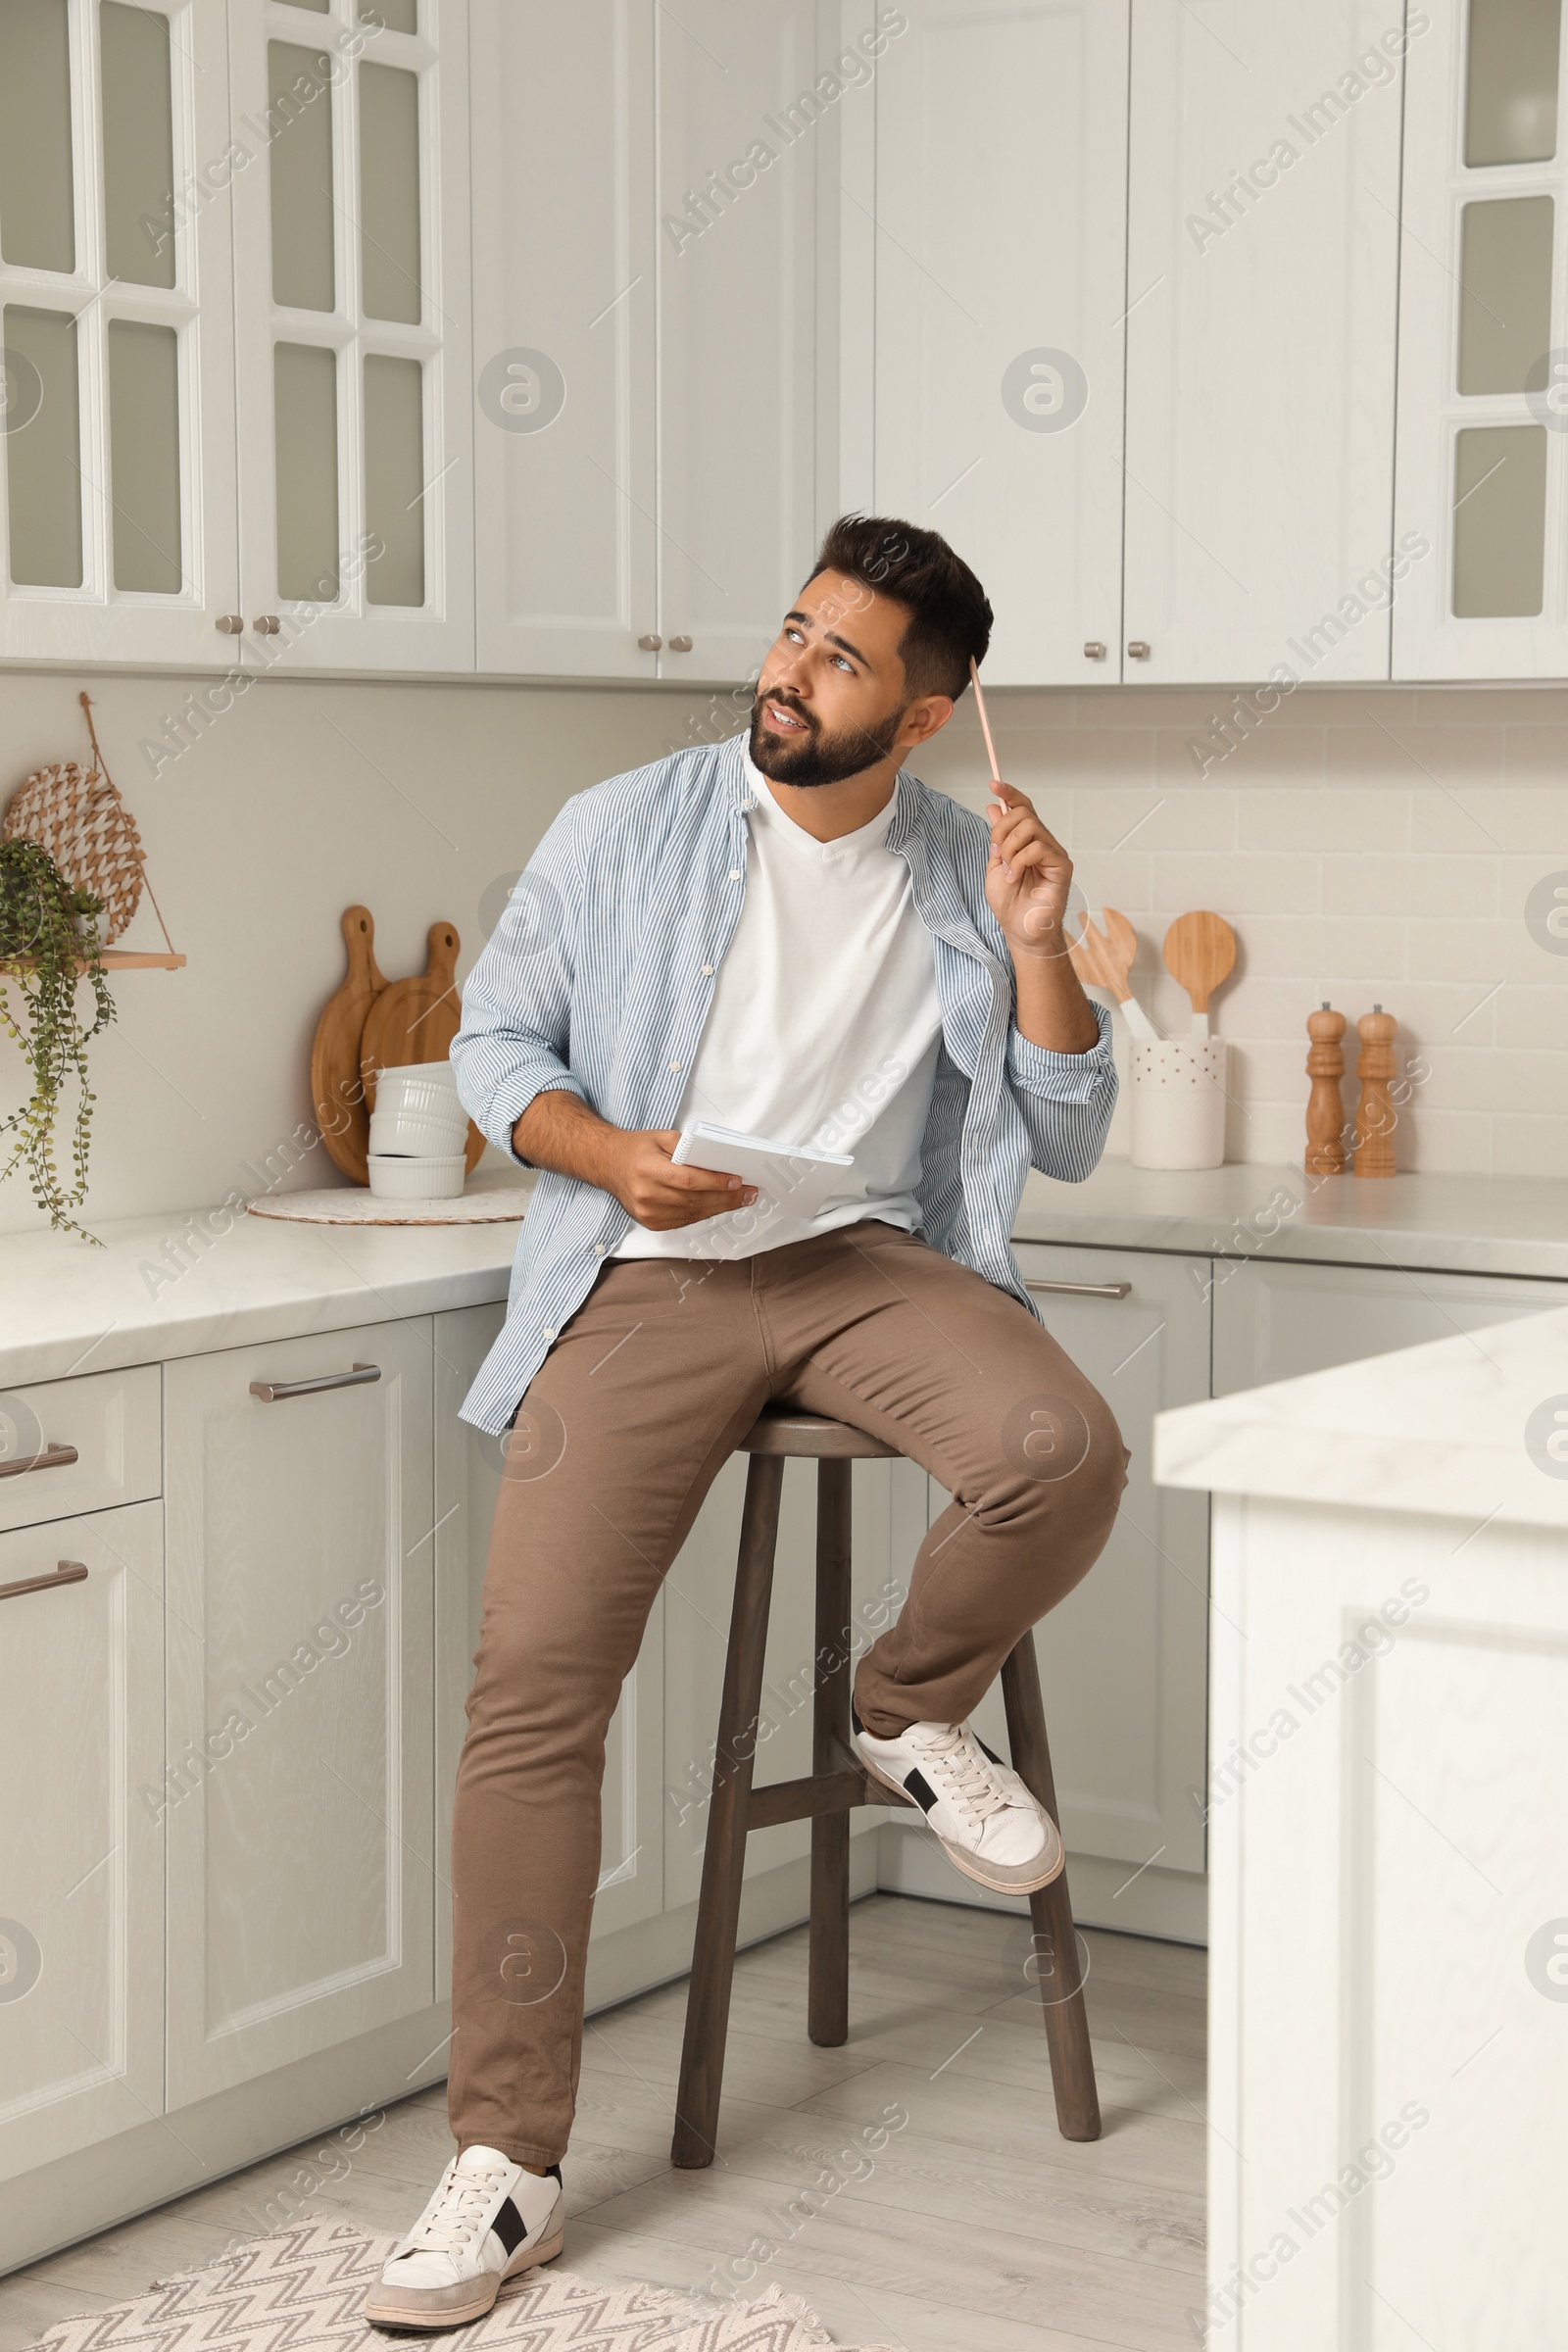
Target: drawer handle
{"points": [[52, 1457], [68, 1572], [1083, 1290], [272, 1392]]}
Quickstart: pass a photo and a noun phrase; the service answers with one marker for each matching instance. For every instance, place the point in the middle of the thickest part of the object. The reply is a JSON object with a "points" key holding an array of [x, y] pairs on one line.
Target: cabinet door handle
{"points": [[231, 624], [1093, 650], [1082, 1290], [680, 645], [52, 1457], [68, 1572], [272, 1392], [268, 624], [649, 644], [1138, 647]]}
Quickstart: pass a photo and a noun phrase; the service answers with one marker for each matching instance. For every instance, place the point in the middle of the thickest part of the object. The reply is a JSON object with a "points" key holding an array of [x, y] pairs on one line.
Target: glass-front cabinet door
{"points": [[1483, 429], [352, 333], [116, 424]]}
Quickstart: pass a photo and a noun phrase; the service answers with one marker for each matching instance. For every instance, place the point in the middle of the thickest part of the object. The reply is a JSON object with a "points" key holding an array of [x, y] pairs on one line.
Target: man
{"points": [[789, 937]]}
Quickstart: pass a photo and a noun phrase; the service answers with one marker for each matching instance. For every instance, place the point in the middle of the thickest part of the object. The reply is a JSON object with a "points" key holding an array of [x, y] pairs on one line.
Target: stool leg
{"points": [[702, 2058], [827, 2006], [1072, 2065]]}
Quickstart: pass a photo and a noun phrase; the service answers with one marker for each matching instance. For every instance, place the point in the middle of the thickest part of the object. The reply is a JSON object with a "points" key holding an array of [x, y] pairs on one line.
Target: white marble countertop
{"points": [[67, 1308], [1459, 1428]]}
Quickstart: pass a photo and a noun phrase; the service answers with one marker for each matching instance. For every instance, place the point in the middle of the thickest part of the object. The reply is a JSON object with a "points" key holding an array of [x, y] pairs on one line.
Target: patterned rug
{"points": [[302, 2288]]}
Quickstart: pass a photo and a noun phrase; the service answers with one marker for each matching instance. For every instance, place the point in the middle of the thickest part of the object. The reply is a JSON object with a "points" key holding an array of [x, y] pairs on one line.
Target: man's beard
{"points": [[815, 758]]}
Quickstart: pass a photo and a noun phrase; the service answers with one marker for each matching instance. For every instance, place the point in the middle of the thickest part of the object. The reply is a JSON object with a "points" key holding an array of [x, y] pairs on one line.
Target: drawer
{"points": [[113, 1423]]}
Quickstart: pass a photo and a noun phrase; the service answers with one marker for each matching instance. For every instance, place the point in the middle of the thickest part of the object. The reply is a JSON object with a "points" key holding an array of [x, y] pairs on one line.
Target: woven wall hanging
{"points": [[78, 815]]}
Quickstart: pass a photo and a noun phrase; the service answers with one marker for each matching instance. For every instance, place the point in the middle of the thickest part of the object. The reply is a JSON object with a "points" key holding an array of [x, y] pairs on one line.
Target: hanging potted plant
{"points": [[48, 942]]}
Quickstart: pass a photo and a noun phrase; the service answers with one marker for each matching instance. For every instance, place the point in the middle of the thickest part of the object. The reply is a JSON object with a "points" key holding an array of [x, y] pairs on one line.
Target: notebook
{"points": [[795, 1176]]}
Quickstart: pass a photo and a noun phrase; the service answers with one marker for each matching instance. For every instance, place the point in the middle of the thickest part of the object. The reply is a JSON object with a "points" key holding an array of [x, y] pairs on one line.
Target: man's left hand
{"points": [[1027, 878]]}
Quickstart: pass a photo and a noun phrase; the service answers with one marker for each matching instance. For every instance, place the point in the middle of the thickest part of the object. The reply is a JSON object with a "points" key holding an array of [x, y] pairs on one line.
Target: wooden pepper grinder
{"points": [[1325, 1107], [1375, 1115]]}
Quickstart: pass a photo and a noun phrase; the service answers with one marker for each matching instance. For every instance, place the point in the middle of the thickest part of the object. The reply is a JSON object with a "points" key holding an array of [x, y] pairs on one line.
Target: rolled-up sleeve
{"points": [[1065, 1099], [517, 1002]]}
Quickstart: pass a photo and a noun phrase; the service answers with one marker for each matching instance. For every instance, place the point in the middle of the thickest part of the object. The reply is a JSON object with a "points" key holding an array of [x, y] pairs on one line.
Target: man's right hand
{"points": [[559, 1131]]}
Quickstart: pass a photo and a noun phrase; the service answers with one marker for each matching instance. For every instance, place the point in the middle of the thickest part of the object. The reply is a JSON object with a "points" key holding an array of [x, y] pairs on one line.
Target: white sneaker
{"points": [[991, 1826], [487, 2221]]}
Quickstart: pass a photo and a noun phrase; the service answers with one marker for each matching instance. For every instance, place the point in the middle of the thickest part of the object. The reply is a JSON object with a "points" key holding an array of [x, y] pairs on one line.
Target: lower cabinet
{"points": [[1123, 1660], [1277, 1322], [297, 1780], [82, 1850]]}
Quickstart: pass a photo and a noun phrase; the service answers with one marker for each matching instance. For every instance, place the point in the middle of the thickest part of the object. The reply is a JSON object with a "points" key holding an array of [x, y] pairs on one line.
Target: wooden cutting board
{"points": [[336, 1089], [416, 1020]]}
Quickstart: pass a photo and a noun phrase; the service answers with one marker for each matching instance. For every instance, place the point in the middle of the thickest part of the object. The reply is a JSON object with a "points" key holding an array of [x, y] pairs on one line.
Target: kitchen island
{"points": [[1388, 1813]]}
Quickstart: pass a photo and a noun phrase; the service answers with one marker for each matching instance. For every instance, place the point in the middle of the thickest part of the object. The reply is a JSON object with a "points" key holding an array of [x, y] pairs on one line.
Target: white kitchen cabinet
{"points": [[1264, 265], [1000, 294], [1123, 1660], [299, 1700], [468, 1480], [564, 281], [1483, 363], [117, 484], [352, 335], [1276, 1322], [82, 1846], [87, 1444], [650, 308], [746, 132]]}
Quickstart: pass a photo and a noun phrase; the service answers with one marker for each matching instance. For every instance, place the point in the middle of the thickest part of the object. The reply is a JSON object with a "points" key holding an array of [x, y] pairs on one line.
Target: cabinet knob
{"points": [[231, 624], [1093, 650], [680, 645], [649, 645], [1138, 648], [266, 624]]}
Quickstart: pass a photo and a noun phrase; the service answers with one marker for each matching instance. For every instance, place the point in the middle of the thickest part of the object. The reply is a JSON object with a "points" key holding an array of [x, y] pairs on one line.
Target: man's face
{"points": [[831, 700]]}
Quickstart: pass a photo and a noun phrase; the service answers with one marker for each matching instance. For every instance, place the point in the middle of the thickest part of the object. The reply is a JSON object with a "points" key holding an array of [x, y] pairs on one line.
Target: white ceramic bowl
{"points": [[429, 1087], [409, 1179], [417, 1134]]}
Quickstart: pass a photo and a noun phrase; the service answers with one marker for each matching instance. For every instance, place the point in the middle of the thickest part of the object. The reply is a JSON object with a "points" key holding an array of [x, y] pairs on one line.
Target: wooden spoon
{"points": [[1104, 959], [1199, 953]]}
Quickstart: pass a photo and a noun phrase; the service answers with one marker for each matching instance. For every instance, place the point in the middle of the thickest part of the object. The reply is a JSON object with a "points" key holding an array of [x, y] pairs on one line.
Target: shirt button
{"points": [[675, 1067], [548, 1335], [598, 1249], [734, 873], [707, 971]]}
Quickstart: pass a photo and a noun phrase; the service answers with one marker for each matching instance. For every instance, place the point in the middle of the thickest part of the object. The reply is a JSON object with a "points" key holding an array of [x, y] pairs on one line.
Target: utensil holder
{"points": [[1178, 1104]]}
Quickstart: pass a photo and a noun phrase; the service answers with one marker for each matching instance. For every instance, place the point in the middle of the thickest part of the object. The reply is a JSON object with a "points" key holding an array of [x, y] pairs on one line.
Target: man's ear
{"points": [[925, 716]]}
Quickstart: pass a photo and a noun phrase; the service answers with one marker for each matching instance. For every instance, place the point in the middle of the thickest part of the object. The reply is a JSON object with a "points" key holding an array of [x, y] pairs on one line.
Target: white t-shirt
{"points": [[825, 1029]]}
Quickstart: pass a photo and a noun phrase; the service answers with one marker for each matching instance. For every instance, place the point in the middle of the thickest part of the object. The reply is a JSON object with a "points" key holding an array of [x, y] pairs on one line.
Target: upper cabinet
{"points": [[1484, 346], [653, 195], [456, 335], [117, 486], [1264, 271], [995, 273], [352, 335]]}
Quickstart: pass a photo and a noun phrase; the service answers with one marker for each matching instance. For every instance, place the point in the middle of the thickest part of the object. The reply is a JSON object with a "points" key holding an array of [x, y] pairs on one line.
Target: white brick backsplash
{"points": [[1364, 843]]}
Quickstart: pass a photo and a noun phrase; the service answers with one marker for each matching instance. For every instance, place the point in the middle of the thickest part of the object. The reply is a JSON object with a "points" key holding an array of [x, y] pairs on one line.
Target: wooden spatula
{"points": [[1104, 959], [336, 1089], [1199, 953], [416, 1020]]}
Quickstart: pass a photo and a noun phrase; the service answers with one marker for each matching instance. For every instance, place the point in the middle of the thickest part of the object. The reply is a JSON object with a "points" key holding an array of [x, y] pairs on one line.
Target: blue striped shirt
{"points": [[599, 977]]}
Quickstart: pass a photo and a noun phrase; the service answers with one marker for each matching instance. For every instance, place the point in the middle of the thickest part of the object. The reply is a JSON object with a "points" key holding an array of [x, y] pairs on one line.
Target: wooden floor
{"points": [[976, 2230]]}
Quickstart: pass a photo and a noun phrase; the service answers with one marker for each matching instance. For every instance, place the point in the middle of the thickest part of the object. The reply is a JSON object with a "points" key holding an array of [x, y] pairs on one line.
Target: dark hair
{"points": [[950, 618]]}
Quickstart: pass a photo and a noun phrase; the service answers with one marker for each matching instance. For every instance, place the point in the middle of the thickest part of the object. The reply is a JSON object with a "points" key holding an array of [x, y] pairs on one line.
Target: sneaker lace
{"points": [[454, 2214], [969, 1777]]}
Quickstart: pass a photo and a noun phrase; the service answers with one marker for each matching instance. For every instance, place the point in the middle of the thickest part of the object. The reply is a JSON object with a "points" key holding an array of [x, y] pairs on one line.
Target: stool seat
{"points": [[785, 1429]]}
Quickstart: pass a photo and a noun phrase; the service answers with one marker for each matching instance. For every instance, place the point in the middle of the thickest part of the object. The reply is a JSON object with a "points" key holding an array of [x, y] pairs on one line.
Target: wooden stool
{"points": [[836, 1783]]}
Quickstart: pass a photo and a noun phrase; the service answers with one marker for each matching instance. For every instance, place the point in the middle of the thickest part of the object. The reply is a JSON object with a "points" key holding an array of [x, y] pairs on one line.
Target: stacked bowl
{"points": [[418, 1134]]}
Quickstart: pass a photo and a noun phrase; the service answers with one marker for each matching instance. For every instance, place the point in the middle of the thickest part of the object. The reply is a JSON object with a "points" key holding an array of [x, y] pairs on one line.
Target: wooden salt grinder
{"points": [[1325, 1107], [1375, 1115]]}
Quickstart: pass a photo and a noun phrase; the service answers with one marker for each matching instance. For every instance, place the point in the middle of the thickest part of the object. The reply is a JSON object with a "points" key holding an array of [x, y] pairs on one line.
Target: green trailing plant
{"points": [[48, 942]]}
